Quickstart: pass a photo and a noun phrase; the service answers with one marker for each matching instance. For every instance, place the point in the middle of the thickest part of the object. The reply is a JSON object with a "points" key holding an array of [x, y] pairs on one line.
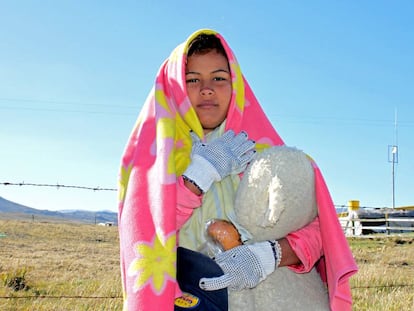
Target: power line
{"points": [[334, 120], [60, 102], [133, 109], [44, 105], [67, 111]]}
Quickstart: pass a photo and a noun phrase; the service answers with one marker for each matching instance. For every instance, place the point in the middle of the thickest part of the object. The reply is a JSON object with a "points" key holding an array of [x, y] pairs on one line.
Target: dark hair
{"points": [[205, 43]]}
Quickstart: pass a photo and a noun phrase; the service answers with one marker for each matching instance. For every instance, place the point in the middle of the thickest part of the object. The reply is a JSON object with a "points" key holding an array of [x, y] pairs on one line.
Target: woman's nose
{"points": [[206, 91]]}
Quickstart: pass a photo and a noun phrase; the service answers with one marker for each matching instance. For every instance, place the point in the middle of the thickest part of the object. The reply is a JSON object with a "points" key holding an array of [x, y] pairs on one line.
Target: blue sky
{"points": [[331, 75]]}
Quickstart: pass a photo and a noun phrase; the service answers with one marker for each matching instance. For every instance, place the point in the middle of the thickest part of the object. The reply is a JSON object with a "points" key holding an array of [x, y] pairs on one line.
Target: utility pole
{"points": [[393, 157]]}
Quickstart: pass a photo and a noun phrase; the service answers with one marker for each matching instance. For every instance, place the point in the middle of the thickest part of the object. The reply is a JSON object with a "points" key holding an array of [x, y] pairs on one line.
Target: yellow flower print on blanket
{"points": [[154, 264], [123, 181]]}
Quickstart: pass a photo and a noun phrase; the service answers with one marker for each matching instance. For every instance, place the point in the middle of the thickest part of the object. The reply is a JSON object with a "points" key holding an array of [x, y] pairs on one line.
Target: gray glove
{"points": [[244, 266], [223, 156]]}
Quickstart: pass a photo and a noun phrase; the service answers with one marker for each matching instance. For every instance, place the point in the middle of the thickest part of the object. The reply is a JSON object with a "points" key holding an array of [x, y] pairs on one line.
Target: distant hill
{"points": [[13, 210]]}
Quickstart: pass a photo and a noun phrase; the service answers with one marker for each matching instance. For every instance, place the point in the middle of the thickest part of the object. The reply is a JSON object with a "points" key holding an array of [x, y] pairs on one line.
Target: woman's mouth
{"points": [[206, 104]]}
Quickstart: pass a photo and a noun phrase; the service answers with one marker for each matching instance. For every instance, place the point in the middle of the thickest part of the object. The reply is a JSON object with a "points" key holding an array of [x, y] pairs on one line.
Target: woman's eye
{"points": [[191, 80], [219, 79]]}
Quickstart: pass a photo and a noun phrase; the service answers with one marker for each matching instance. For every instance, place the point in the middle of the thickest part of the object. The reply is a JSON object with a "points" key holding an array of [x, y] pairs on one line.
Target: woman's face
{"points": [[209, 88]]}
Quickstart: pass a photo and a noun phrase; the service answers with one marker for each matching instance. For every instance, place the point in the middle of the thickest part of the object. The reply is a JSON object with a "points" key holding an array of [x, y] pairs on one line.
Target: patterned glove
{"points": [[223, 156], [244, 266]]}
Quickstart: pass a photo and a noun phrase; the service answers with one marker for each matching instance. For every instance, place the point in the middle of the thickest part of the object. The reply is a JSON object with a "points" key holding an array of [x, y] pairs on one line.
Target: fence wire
{"points": [[120, 297], [57, 185]]}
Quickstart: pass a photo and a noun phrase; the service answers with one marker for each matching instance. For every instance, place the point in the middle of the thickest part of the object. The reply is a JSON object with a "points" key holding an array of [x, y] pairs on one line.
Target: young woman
{"points": [[195, 135]]}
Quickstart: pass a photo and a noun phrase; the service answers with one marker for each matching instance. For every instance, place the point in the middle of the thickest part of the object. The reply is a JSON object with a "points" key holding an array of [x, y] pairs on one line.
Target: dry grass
{"points": [[59, 260], [62, 266], [385, 280]]}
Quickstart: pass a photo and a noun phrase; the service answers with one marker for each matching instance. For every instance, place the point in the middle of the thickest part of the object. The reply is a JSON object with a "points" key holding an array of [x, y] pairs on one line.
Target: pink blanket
{"points": [[338, 264], [156, 154]]}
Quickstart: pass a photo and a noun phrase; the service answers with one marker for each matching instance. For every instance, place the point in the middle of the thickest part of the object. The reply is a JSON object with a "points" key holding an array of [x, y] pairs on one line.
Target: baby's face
{"points": [[209, 88]]}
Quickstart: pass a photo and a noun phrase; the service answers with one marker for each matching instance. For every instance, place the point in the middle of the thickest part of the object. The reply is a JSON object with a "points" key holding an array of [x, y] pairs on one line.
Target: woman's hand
{"points": [[244, 266], [223, 156]]}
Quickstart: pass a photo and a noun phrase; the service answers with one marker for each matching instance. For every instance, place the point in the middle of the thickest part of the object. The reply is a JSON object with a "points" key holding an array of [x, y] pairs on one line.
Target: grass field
{"points": [[64, 266]]}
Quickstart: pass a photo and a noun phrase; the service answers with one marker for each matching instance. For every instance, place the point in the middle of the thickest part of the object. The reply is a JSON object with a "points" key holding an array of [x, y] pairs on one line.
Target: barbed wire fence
{"points": [[57, 185], [120, 296], [98, 188]]}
